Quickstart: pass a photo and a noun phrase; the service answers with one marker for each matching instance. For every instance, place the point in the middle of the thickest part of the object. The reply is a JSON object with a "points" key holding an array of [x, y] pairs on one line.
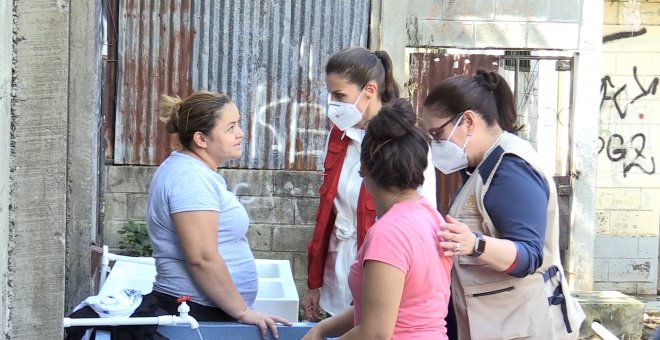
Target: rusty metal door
{"points": [[543, 92], [426, 71]]}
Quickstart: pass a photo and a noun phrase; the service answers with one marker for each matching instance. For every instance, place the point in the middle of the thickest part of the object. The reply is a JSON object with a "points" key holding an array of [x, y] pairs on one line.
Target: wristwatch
{"points": [[479, 245]]}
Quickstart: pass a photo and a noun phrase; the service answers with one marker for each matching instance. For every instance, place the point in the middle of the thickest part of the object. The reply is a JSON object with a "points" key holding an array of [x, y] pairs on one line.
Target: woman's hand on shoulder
{"points": [[263, 321], [456, 238]]}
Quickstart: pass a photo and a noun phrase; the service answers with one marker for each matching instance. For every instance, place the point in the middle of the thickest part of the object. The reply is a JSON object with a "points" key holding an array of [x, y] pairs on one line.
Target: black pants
{"points": [[197, 311], [452, 329]]}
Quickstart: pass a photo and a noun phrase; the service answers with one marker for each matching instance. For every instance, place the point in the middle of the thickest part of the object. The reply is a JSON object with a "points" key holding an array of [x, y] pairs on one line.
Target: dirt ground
{"points": [[650, 324]]}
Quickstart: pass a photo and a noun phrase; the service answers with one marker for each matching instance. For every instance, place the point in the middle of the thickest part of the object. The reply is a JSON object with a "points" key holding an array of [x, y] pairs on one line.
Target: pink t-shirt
{"points": [[405, 237]]}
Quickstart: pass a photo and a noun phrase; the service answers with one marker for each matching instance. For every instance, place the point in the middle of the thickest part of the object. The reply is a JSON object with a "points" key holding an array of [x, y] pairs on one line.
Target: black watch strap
{"points": [[479, 245]]}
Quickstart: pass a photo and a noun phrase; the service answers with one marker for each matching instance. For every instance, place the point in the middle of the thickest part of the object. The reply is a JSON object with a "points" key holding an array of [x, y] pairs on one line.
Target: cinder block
{"points": [[291, 238], [634, 222], [277, 210], [612, 247], [634, 178], [301, 286], [650, 198], [624, 270], [553, 35], [468, 9], [260, 236], [640, 43], [648, 247], [297, 183], [300, 266], [502, 35], [638, 288], [274, 255], [649, 11], [601, 269], [618, 198], [611, 13], [305, 210], [646, 71], [609, 63], [620, 314], [425, 9], [249, 182], [522, 10], [137, 206], [442, 33], [565, 11], [129, 178], [115, 206], [602, 222], [111, 237]]}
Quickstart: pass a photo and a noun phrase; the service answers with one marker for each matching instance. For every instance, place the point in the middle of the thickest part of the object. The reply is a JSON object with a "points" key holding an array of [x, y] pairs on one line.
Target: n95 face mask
{"points": [[344, 115]]}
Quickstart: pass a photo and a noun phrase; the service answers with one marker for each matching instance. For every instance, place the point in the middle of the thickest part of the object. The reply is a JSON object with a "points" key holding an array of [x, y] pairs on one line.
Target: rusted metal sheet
{"points": [[155, 40], [427, 70], [109, 87], [268, 56]]}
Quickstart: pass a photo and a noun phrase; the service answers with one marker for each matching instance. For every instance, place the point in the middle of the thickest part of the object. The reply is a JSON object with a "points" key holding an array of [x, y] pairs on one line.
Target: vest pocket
{"points": [[515, 310]]}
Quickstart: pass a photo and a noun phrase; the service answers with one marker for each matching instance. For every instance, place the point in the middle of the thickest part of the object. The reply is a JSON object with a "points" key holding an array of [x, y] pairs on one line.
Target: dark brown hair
{"points": [[486, 93], [199, 112], [359, 66], [394, 150]]}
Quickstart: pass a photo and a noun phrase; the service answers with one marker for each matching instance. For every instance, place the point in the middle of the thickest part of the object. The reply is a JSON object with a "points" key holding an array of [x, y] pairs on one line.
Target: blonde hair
{"points": [[199, 112]]}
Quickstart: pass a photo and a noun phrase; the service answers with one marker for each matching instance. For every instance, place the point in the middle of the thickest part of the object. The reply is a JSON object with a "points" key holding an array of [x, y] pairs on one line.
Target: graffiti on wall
{"points": [[629, 151], [285, 136]]}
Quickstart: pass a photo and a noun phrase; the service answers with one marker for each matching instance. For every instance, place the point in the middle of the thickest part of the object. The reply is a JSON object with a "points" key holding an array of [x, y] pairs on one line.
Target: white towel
{"points": [[117, 304]]}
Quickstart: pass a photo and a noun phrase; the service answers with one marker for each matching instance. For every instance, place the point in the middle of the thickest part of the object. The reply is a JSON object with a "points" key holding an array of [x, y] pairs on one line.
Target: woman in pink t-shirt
{"points": [[400, 283]]}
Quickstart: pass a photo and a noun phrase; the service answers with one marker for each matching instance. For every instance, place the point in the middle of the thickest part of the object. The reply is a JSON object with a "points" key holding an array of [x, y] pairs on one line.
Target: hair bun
{"points": [[489, 80], [169, 112], [393, 121]]}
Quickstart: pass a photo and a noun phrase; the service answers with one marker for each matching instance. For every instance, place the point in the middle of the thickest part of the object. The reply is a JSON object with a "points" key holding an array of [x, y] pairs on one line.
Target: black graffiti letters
{"points": [[617, 151], [617, 98]]}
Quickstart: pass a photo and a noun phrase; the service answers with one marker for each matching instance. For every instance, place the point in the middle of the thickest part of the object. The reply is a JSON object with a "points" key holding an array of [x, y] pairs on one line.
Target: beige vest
{"points": [[495, 305]]}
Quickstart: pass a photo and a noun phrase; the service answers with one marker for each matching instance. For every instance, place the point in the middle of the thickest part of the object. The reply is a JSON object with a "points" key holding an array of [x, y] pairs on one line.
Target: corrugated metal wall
{"points": [[426, 71], [267, 55]]}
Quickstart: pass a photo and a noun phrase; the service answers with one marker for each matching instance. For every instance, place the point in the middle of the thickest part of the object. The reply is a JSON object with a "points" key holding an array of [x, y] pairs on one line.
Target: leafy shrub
{"points": [[135, 240]]}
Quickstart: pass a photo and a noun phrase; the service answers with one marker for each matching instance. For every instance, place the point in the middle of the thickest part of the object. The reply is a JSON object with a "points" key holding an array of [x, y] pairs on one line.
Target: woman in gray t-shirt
{"points": [[197, 227]]}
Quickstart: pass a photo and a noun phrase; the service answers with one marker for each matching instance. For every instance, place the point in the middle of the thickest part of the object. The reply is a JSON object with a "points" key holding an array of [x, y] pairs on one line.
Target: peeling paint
{"points": [[268, 56]]}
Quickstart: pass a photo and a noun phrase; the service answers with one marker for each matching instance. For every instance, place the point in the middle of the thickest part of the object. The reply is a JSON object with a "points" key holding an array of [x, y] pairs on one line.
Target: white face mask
{"points": [[345, 115], [447, 156]]}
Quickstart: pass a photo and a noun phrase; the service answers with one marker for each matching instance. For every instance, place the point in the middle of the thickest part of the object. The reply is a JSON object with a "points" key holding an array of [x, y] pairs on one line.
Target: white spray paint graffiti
{"points": [[258, 120], [236, 190]]}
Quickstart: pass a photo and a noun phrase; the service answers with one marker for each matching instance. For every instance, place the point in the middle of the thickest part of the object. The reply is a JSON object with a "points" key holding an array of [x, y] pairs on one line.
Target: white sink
{"points": [[277, 294]]}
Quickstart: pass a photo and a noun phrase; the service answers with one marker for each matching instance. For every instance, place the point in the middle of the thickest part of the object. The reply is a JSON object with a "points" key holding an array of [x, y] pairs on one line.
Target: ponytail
{"points": [[506, 109], [486, 93], [359, 66], [390, 89]]}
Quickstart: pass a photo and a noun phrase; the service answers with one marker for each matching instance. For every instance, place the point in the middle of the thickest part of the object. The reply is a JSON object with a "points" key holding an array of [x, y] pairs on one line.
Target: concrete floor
{"points": [[651, 314]]}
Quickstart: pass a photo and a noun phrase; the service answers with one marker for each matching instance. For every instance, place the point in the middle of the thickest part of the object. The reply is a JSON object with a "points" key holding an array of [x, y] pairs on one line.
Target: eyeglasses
{"points": [[436, 131]]}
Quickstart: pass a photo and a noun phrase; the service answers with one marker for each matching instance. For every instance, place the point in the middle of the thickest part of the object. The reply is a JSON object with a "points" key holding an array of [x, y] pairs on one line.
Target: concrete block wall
{"points": [[281, 204], [508, 24], [628, 183]]}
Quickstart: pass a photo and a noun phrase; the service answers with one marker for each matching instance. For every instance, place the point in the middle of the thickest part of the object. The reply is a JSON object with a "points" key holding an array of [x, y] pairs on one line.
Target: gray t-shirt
{"points": [[183, 183]]}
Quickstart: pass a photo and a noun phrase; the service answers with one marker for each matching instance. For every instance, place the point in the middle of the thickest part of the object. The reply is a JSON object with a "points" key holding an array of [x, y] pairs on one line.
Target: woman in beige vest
{"points": [[502, 227]]}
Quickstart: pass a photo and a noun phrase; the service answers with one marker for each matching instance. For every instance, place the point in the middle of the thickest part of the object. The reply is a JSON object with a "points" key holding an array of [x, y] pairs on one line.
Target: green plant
{"points": [[135, 240]]}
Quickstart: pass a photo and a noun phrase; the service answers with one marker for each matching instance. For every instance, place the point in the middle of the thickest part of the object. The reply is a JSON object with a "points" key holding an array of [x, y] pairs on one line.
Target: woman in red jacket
{"points": [[359, 82]]}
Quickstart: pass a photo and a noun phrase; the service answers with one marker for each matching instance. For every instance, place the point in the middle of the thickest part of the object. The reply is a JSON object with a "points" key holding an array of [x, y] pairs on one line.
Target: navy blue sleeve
{"points": [[517, 203]]}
